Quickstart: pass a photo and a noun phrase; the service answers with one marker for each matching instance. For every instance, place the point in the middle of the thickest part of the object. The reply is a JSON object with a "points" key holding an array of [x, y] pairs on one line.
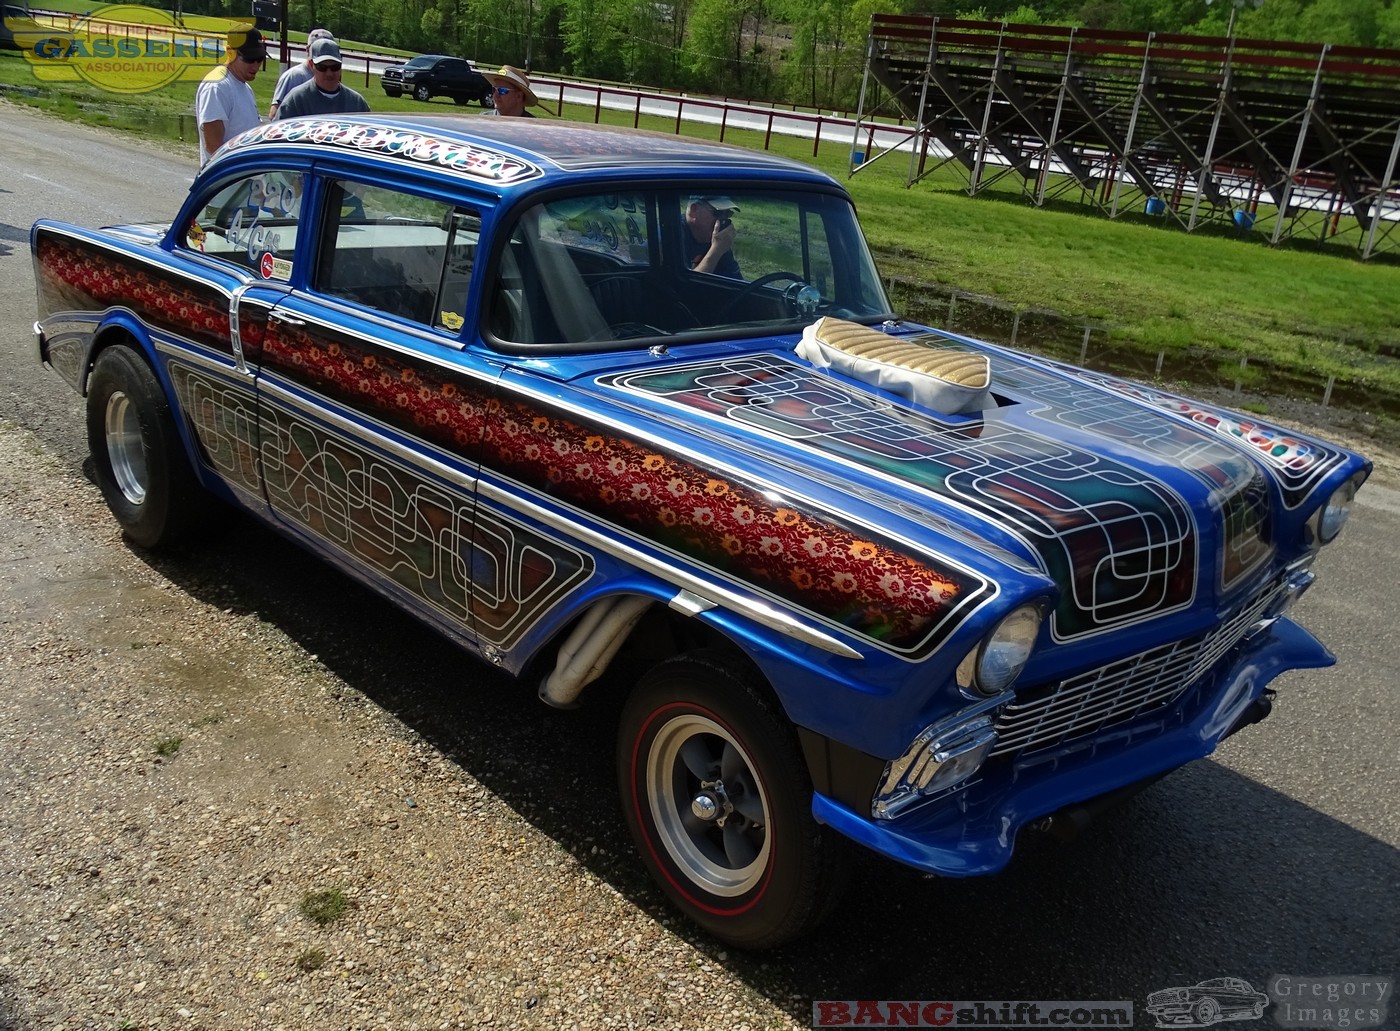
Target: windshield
{"points": [[593, 269]]}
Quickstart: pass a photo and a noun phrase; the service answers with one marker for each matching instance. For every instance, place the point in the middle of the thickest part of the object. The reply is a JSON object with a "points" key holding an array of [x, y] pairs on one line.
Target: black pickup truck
{"points": [[434, 75]]}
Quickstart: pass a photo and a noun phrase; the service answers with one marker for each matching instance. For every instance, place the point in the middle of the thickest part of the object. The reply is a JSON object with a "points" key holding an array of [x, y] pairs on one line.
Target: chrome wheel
{"points": [[125, 449], [137, 454], [708, 805], [716, 794]]}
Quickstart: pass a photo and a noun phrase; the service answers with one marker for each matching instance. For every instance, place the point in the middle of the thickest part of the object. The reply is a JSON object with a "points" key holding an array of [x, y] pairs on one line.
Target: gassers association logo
{"points": [[121, 48]]}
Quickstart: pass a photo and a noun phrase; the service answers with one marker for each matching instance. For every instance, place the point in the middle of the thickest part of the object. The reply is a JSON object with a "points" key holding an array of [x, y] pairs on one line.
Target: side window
{"points": [[398, 253], [770, 237], [821, 269], [251, 222], [611, 225]]}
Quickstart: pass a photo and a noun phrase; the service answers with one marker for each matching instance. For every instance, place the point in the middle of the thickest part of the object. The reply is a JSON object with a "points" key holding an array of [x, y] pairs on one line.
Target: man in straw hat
{"points": [[513, 92]]}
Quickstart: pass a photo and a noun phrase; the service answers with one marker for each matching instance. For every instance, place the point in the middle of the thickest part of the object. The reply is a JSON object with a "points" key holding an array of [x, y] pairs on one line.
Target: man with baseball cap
{"points": [[325, 94], [709, 236], [224, 105], [296, 74], [513, 93]]}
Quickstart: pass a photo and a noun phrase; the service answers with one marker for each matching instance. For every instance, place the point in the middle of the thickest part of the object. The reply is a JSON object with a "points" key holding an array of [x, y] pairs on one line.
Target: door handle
{"points": [[290, 320]]}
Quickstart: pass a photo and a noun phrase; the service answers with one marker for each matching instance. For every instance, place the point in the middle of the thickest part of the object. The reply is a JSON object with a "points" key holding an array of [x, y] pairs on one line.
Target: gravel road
{"points": [[149, 890]]}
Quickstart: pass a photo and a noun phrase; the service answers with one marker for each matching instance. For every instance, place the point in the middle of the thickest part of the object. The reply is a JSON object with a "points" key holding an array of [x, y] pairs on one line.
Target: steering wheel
{"points": [[789, 295]]}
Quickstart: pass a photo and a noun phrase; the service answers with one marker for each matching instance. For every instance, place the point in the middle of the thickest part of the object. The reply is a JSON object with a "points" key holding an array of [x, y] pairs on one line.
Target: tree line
{"points": [[807, 52]]}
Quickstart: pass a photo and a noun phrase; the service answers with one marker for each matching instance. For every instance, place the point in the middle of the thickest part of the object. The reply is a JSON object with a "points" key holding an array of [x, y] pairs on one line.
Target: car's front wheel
{"points": [[421, 92], [718, 800], [1206, 1011], [139, 459], [393, 92]]}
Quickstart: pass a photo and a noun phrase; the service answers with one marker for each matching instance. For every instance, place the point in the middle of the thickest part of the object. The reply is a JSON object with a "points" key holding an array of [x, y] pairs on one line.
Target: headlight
{"points": [[995, 664], [1333, 515]]}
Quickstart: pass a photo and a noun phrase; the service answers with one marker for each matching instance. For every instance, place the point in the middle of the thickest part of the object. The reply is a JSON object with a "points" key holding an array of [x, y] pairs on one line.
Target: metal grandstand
{"points": [[1293, 140]]}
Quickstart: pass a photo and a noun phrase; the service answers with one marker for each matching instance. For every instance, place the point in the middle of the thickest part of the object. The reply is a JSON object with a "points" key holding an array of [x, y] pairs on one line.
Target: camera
{"points": [[725, 223]]}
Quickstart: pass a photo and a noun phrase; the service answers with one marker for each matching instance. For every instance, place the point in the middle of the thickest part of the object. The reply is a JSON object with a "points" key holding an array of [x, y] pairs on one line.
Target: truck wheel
{"points": [[719, 803], [421, 92], [140, 461]]}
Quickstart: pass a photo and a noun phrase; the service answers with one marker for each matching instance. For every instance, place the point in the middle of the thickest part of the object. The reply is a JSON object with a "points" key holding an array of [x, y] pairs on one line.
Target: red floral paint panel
{"points": [[846, 575], [75, 277]]}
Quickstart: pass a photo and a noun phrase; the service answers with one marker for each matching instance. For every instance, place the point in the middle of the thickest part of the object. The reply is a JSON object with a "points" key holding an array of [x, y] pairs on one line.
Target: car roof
{"points": [[505, 151]]}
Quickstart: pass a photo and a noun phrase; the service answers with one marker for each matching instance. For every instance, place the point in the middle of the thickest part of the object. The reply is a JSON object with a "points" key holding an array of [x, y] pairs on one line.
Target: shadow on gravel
{"points": [[9, 1005], [1206, 874]]}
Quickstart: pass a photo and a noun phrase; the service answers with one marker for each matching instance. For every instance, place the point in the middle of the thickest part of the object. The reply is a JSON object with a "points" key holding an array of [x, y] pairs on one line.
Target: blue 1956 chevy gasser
{"points": [[891, 585]]}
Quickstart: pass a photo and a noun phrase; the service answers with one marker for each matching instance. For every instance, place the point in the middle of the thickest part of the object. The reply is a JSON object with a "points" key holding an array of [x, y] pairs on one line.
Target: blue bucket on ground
{"points": [[1244, 219], [1156, 206], [857, 157]]}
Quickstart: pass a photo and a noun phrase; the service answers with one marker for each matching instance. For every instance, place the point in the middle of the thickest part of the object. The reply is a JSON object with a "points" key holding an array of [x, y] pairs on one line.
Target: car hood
{"points": [[1137, 503]]}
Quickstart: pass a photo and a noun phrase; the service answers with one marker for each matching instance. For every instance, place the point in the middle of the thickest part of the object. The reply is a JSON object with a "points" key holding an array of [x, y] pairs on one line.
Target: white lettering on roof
{"points": [[456, 155]]}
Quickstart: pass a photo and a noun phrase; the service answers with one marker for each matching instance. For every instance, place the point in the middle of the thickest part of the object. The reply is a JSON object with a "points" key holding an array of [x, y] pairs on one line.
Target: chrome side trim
{"points": [[432, 466], [235, 336], [215, 362], [690, 604], [701, 593], [427, 334], [705, 593]]}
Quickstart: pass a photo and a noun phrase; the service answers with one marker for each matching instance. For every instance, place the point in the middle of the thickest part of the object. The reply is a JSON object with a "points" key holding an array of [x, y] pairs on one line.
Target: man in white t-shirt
{"points": [[224, 105], [296, 74]]}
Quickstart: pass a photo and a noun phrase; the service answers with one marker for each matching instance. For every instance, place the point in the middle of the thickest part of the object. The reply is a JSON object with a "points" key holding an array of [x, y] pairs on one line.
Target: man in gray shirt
{"points": [[296, 74], [324, 94]]}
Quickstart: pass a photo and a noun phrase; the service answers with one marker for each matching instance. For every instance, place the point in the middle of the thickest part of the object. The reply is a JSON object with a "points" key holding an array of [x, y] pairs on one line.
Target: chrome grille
{"points": [[1123, 690]]}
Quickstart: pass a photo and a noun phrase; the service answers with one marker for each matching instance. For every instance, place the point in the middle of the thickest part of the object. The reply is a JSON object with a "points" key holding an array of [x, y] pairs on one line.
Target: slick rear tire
{"points": [[719, 803], [137, 453]]}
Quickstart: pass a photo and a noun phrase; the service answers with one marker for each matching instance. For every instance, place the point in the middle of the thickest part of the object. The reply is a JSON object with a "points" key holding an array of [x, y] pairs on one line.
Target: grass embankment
{"points": [[1203, 300]]}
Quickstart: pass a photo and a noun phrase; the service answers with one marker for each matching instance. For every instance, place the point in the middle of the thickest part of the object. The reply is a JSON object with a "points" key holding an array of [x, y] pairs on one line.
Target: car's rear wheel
{"points": [[421, 92], [139, 459], [718, 800]]}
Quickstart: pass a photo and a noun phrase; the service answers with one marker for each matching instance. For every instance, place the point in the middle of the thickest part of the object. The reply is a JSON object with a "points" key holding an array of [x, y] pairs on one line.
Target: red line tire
{"points": [[719, 803]]}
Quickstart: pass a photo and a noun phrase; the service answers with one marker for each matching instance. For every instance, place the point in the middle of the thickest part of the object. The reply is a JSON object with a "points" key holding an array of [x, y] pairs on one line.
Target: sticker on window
{"points": [[273, 267]]}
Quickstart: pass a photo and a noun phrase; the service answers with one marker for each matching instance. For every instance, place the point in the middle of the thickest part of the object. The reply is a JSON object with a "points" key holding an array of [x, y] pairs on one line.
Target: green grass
{"points": [[324, 907], [1203, 299]]}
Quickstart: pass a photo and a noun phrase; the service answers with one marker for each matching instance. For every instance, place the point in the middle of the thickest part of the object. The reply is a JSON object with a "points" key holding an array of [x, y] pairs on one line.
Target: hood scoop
{"points": [[943, 380]]}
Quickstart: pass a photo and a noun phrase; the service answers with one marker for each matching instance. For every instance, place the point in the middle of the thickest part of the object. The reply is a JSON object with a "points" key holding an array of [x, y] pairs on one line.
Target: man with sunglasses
{"points": [[296, 74], [224, 105], [512, 92], [325, 94]]}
